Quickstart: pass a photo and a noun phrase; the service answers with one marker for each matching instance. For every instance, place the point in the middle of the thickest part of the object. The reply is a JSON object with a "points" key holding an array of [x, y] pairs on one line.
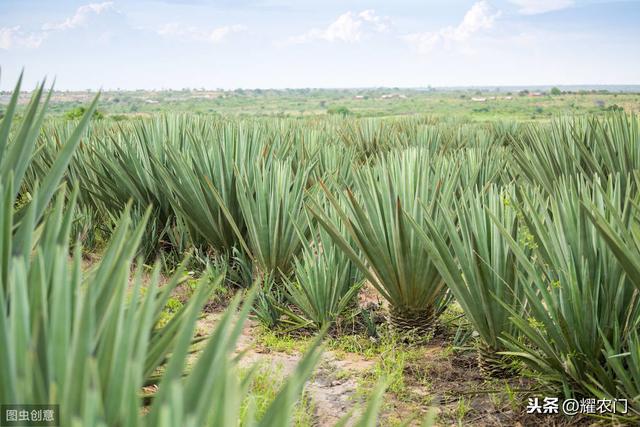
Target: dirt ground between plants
{"points": [[432, 376], [333, 396]]}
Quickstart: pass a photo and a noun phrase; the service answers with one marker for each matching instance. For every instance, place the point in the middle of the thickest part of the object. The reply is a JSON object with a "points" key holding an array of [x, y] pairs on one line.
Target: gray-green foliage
{"points": [[325, 282], [580, 297], [271, 198], [89, 339], [390, 253], [477, 262]]}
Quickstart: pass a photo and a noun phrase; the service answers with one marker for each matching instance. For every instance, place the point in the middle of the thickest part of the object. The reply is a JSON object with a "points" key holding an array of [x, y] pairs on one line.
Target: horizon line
{"points": [[346, 88]]}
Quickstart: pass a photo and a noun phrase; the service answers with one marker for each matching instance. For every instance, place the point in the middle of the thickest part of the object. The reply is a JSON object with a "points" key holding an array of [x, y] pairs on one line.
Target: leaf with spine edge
{"points": [[6, 224], [217, 352], [456, 261], [55, 174], [325, 221], [17, 155], [230, 219], [7, 120], [620, 242], [176, 363]]}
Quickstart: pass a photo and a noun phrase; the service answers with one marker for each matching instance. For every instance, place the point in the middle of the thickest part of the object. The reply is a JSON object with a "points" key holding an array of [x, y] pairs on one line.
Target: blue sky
{"points": [[154, 44]]}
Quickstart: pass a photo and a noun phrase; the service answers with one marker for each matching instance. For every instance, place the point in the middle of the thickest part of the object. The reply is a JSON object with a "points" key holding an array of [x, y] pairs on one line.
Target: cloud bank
{"points": [[349, 27], [480, 17], [15, 37]]}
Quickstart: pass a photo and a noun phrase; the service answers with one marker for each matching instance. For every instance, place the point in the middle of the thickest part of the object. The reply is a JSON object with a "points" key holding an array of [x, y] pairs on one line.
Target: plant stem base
{"points": [[494, 365], [415, 326]]}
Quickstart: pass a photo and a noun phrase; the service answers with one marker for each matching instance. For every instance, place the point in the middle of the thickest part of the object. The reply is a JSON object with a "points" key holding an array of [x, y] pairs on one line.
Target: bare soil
{"points": [[433, 376]]}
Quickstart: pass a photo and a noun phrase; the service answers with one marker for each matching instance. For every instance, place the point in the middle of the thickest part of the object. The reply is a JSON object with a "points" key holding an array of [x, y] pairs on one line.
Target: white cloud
{"points": [[80, 18], [479, 18], [12, 37], [216, 35], [15, 37], [348, 27], [380, 23], [533, 7]]}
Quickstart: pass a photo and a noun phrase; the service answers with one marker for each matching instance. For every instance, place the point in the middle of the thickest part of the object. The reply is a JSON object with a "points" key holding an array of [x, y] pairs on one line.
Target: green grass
{"points": [[170, 309], [265, 383], [280, 342], [392, 360], [354, 343]]}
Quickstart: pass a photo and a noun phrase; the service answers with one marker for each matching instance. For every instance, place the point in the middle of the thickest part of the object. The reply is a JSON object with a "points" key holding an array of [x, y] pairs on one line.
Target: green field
{"points": [[498, 104]]}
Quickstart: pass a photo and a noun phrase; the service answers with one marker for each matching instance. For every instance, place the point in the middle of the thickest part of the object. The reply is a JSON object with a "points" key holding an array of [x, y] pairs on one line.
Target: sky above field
{"points": [[155, 44]]}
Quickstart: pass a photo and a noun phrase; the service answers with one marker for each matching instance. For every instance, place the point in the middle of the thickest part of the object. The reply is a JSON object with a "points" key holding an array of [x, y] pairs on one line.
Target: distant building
{"points": [[479, 99], [393, 95]]}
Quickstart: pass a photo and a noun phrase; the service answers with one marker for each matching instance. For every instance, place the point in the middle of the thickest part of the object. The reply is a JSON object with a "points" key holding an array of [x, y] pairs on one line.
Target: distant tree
{"points": [[614, 107], [555, 91], [523, 92], [78, 112], [341, 110]]}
